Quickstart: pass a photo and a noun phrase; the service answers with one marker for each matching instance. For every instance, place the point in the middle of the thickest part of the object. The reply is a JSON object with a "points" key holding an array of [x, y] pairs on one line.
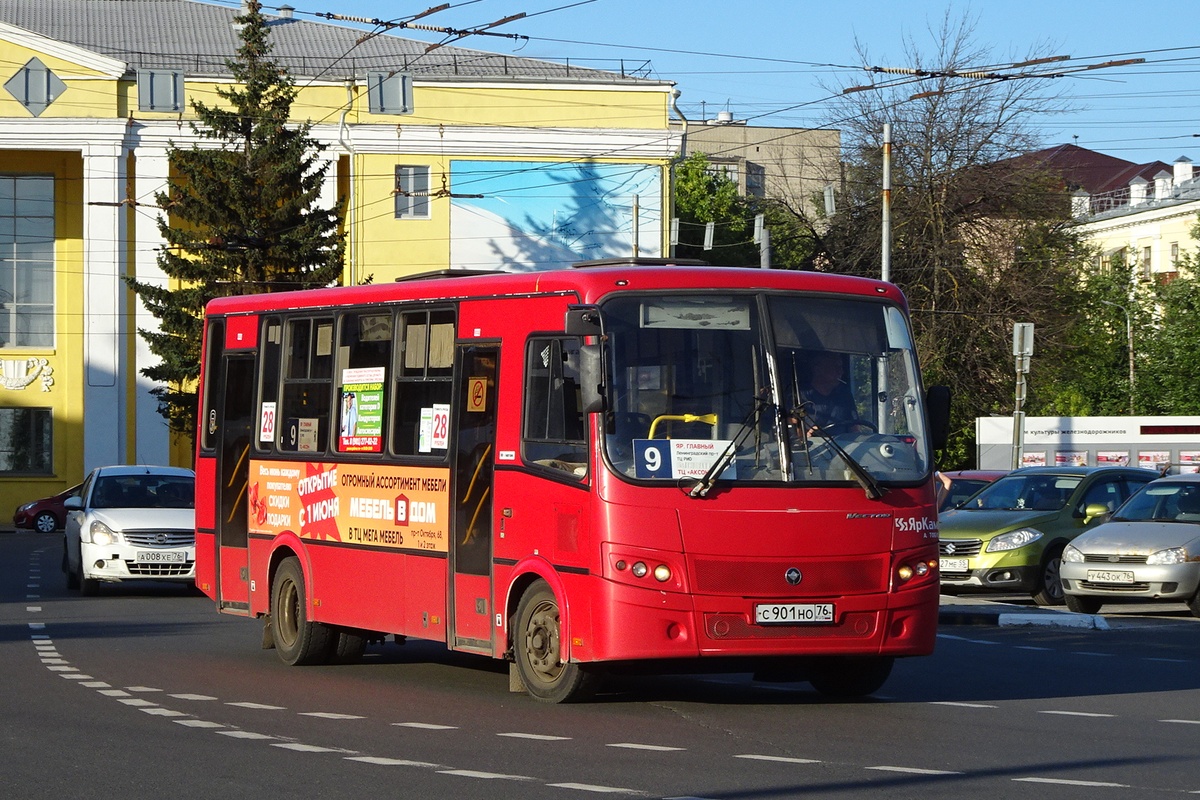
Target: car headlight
{"points": [[1172, 555], [1072, 555], [26, 507], [101, 534], [1013, 540]]}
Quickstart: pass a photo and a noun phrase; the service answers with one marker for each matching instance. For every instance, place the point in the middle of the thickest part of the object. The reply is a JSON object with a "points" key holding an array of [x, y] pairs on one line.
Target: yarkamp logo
{"points": [[793, 576], [868, 516]]}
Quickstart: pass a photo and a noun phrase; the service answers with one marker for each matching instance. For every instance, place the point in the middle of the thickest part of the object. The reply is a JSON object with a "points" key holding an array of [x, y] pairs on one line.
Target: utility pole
{"points": [[886, 265], [1129, 346], [1022, 350]]}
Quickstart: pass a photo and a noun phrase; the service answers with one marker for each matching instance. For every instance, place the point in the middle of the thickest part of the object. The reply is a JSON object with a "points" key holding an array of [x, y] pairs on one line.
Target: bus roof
{"points": [[589, 285]]}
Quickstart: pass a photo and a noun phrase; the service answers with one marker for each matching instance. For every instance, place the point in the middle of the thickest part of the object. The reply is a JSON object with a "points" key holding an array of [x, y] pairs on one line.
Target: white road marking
{"points": [[63, 669], [916, 770], [246, 735], [135, 701], [257, 706], [1065, 782], [76, 676], [471, 773], [1182, 721], [1032, 647], [588, 787], [1076, 714], [655, 747], [186, 696], [392, 762], [961, 705], [536, 736], [306, 748], [199, 723], [37, 626], [55, 661], [33, 608], [114, 693], [329, 715], [1096, 655], [96, 685], [425, 726], [141, 689], [1168, 660], [782, 759], [159, 711]]}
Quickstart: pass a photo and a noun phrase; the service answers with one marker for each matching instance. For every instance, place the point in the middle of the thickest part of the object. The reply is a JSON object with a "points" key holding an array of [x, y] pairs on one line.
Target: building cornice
{"points": [[111, 67]]}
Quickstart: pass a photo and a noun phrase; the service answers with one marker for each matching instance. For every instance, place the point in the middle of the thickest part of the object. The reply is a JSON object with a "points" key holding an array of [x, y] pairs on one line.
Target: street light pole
{"points": [[1129, 347]]}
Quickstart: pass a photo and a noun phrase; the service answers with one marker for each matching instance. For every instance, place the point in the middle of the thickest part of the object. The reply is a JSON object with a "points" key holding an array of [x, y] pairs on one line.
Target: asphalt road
{"points": [[146, 692]]}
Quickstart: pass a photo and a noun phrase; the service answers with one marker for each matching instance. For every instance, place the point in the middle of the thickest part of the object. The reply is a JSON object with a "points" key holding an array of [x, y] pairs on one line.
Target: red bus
{"points": [[611, 467]]}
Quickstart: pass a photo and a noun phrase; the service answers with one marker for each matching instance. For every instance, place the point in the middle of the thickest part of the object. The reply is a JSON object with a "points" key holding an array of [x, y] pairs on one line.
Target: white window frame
{"points": [[412, 191]]}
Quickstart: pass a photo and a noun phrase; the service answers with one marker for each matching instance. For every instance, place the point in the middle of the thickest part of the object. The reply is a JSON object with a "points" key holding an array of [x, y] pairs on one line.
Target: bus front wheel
{"points": [[537, 651], [297, 640]]}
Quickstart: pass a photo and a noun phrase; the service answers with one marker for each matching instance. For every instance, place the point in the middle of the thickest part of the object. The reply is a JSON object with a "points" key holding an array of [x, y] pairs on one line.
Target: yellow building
{"points": [[447, 159]]}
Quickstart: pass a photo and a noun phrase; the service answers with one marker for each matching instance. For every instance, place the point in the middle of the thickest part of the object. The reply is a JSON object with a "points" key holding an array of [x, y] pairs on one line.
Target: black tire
{"points": [[88, 587], [1049, 588], [72, 577], [536, 651], [1083, 605], [349, 644], [297, 641], [846, 677], [1194, 604], [45, 522]]}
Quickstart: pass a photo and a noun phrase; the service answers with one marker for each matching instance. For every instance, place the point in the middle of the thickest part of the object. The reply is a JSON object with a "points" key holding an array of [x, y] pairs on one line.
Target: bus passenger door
{"points": [[471, 517], [233, 470]]}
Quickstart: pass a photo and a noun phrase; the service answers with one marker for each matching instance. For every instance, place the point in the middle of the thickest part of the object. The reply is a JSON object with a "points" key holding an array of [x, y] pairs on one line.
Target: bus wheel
{"points": [[297, 640], [850, 676], [349, 644], [537, 652]]}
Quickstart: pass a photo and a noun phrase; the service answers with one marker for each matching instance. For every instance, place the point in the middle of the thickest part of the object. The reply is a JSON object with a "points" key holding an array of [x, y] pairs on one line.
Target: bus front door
{"points": [[471, 517], [233, 470]]}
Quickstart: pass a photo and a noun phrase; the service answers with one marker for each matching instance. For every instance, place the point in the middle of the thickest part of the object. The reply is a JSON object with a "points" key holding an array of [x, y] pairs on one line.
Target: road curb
{"points": [[999, 617]]}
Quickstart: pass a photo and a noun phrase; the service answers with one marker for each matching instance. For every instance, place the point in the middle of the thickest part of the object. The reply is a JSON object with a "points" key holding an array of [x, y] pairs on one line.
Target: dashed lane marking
{"points": [[1066, 782], [915, 770], [655, 747], [782, 759]]}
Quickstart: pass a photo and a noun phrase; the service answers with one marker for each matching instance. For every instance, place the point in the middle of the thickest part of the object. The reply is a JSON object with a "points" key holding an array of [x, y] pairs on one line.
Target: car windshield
{"points": [[144, 491], [1026, 492], [764, 387], [1163, 502]]}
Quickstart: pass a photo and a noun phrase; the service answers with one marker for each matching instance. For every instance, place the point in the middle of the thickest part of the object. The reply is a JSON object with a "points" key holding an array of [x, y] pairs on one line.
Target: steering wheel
{"points": [[849, 424]]}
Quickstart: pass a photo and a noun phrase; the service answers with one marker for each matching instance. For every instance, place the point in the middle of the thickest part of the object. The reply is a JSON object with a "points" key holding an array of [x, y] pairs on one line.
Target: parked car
{"points": [[1010, 536], [45, 515], [1148, 550], [955, 486], [131, 523]]}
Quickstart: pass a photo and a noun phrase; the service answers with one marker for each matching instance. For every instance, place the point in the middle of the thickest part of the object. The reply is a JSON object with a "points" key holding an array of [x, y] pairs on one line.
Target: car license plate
{"points": [[1109, 576], [793, 613], [161, 557], [952, 564]]}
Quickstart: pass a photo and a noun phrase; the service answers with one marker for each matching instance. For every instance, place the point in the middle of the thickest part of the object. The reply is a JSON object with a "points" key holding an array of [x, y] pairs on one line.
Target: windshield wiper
{"points": [[705, 484], [870, 485]]}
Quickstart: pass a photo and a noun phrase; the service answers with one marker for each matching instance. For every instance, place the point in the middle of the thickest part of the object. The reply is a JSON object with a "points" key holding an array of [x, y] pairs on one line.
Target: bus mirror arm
{"points": [[937, 405], [591, 379]]}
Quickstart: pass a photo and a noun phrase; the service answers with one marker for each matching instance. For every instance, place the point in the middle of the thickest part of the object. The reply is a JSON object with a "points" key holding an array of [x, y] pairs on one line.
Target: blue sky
{"points": [[756, 58]]}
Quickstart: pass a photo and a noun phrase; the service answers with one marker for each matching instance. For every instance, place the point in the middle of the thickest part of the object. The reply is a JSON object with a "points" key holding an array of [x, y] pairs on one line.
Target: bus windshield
{"points": [[762, 387]]}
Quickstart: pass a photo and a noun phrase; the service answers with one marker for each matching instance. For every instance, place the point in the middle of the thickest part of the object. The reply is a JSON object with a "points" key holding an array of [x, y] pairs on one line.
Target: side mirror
{"points": [[73, 503], [591, 379], [937, 407], [1095, 511], [583, 321]]}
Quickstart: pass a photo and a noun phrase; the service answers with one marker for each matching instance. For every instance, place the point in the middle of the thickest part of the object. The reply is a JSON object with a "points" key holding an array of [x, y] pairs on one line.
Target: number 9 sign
{"points": [[652, 458]]}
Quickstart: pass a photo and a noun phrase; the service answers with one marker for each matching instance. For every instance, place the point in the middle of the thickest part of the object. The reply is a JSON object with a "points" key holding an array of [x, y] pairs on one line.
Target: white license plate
{"points": [[164, 557], [793, 613], [1109, 576], [952, 564]]}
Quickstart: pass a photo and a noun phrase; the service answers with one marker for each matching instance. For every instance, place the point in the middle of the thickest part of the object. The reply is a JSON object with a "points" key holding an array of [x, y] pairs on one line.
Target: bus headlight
{"points": [[662, 573], [639, 569]]}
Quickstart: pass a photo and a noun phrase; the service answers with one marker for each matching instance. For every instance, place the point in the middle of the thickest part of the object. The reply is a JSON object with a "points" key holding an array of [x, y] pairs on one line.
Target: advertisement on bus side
{"points": [[357, 504]]}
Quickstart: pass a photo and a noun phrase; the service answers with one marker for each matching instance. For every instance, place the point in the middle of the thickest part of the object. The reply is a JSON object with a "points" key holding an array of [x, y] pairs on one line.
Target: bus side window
{"points": [[307, 386], [270, 353], [364, 355], [555, 428], [423, 383]]}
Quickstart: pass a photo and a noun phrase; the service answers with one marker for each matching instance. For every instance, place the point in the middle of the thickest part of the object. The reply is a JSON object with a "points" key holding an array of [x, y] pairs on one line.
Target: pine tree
{"points": [[240, 215]]}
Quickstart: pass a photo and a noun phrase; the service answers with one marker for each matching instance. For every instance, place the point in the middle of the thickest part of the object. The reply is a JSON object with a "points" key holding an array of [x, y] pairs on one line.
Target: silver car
{"points": [[1149, 550], [131, 523]]}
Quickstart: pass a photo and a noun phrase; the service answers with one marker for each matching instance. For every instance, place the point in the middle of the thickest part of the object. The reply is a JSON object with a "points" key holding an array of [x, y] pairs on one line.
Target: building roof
{"points": [[1094, 173], [199, 37]]}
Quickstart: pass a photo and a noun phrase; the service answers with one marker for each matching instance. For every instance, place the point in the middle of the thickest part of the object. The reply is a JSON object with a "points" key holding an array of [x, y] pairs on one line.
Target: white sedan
{"points": [[131, 523], [1149, 550]]}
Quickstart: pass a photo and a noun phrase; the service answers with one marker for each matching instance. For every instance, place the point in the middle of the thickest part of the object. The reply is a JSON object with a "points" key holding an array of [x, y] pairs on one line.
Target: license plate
{"points": [[1109, 576], [952, 564], [163, 557], [793, 613]]}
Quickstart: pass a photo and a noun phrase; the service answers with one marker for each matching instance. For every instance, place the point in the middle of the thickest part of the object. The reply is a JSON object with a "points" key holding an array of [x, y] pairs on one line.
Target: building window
{"points": [[756, 180], [1146, 263], [26, 261], [35, 86], [412, 192], [1174, 255], [25, 441], [159, 90]]}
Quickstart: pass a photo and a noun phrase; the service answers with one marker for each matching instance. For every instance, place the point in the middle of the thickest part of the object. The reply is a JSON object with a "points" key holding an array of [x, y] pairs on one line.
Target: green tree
{"points": [[240, 215], [1169, 347]]}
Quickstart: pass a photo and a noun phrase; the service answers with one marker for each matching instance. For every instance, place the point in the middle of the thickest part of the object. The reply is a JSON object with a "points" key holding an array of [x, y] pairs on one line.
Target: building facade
{"points": [[446, 159]]}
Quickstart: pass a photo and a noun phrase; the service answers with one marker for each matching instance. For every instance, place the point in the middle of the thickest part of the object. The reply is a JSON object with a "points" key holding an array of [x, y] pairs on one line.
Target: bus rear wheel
{"points": [[538, 654], [297, 640], [846, 677]]}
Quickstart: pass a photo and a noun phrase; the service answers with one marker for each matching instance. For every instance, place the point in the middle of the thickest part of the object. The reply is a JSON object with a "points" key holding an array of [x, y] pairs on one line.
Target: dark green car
{"points": [[1010, 536]]}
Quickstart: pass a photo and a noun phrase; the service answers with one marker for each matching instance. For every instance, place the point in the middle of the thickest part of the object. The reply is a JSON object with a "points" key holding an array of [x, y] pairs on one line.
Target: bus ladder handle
{"points": [[236, 470], [470, 533]]}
